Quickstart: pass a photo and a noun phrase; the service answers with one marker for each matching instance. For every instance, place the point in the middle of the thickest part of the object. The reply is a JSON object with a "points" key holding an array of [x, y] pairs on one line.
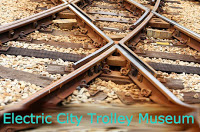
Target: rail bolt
{"points": [[22, 34], [11, 33], [134, 72], [35, 24], [124, 71], [106, 69], [145, 92], [140, 77], [83, 84]]}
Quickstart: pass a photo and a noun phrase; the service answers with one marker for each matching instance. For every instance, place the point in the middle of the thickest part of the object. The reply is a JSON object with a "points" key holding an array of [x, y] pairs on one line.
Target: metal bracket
{"points": [[177, 35], [83, 84], [23, 37], [35, 24], [145, 92], [44, 28], [124, 71], [106, 69], [140, 77], [90, 72], [134, 72], [97, 68], [11, 33], [53, 17]]}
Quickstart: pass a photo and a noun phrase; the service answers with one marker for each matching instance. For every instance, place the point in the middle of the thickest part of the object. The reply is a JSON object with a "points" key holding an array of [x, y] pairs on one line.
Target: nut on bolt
{"points": [[82, 84], [124, 71], [145, 92], [83, 30]]}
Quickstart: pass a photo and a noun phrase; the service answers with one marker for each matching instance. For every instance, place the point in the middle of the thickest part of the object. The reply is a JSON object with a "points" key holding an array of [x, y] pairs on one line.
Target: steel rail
{"points": [[147, 11], [191, 37], [140, 6], [111, 42], [45, 97], [97, 30], [137, 30], [127, 4], [160, 93], [29, 24], [64, 1], [95, 53], [91, 25], [65, 86], [63, 81], [157, 84], [142, 24], [20, 25], [134, 33], [32, 18], [37, 17], [195, 43], [146, 69]]}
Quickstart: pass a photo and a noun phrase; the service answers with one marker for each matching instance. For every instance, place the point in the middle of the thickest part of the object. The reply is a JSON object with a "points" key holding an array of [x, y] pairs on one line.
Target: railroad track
{"points": [[15, 10], [115, 19], [47, 47], [111, 73], [162, 53], [177, 10]]}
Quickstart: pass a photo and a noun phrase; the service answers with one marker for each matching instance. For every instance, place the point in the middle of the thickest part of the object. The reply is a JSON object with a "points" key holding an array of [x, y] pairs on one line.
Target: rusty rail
{"points": [[12, 30], [57, 91], [54, 93], [140, 6], [137, 30], [133, 34], [80, 10], [128, 2], [192, 38], [98, 31], [29, 24], [141, 25], [157, 84], [128, 5]]}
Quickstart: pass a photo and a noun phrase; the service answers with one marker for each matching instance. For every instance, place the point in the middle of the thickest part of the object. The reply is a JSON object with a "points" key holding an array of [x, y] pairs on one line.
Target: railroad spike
{"points": [[11, 33], [90, 72]]}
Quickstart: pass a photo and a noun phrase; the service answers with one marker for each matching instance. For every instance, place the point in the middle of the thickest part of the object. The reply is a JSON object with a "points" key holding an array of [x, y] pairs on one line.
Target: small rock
{"points": [[25, 95], [87, 94], [196, 96], [75, 92], [109, 100]]}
